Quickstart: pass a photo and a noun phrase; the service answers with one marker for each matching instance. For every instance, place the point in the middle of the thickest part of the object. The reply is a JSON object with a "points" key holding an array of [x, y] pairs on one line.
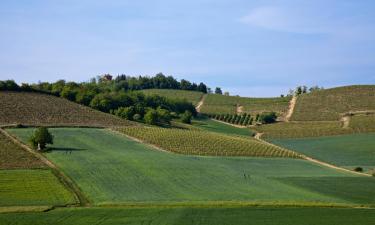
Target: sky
{"points": [[250, 48]]}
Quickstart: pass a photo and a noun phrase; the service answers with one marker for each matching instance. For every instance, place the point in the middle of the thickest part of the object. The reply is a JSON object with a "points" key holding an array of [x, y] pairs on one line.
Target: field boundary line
{"points": [[64, 179], [200, 103], [233, 125], [292, 105], [315, 160]]}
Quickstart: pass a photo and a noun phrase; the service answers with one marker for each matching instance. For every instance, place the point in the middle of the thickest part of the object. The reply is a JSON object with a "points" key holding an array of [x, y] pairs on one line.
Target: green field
{"points": [[346, 150], [113, 169], [221, 104], [191, 96], [32, 188], [194, 216], [215, 126], [330, 104], [195, 142], [13, 156], [41, 109]]}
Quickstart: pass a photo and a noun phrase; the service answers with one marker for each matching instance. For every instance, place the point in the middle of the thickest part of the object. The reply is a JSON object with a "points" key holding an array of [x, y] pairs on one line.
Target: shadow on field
{"points": [[67, 150]]}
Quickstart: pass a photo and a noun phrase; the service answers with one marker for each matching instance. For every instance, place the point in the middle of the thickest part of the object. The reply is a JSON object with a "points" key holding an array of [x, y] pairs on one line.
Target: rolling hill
{"points": [[191, 96], [39, 109]]}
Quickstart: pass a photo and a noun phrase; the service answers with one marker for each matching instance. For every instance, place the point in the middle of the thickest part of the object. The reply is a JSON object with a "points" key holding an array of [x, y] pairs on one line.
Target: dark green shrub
{"points": [[358, 169]]}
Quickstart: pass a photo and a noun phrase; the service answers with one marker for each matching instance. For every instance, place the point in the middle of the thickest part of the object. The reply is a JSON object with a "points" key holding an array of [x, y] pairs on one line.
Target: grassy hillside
{"points": [[39, 109], [194, 216], [215, 126], [330, 104], [347, 150], [193, 142], [363, 123], [113, 169], [220, 104], [191, 96], [13, 156], [32, 188]]}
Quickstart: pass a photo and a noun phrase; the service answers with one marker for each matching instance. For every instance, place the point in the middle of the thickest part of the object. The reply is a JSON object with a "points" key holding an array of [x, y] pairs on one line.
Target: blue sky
{"points": [[251, 48]]}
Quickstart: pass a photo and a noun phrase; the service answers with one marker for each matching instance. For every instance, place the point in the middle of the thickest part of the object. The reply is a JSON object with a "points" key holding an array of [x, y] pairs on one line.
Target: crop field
{"points": [[193, 216], [363, 123], [32, 188], [302, 129], [347, 150], [114, 169], [215, 126], [194, 142], [13, 156], [330, 104], [221, 104], [191, 96], [40, 109]]}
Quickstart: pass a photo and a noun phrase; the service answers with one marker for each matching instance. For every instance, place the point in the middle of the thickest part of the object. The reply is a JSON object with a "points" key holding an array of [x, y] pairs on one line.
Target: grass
{"points": [[194, 216], [215, 126], [13, 156], [111, 169], [330, 104], [39, 109], [221, 104], [363, 123], [195, 142], [302, 129], [32, 188], [346, 150], [191, 96]]}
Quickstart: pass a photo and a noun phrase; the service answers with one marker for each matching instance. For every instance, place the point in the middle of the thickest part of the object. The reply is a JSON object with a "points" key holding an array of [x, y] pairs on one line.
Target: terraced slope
{"points": [[113, 169], [221, 104], [331, 104], [190, 96], [39, 109], [193, 142]]}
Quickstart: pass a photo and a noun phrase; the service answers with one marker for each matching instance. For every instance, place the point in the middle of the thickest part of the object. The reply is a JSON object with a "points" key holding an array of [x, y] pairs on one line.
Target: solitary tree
{"points": [[186, 117], [218, 91], [40, 138]]}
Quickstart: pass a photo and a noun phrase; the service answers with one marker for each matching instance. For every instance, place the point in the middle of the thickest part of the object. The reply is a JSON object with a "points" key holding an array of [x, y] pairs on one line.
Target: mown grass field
{"points": [[40, 109], [13, 156], [330, 104], [221, 104], [215, 126], [194, 216], [346, 150], [194, 142], [191, 96], [113, 169], [32, 188]]}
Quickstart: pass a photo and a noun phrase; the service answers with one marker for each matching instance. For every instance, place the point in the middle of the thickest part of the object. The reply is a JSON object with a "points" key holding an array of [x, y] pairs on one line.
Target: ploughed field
{"points": [[40, 109], [111, 169], [350, 151], [193, 216]]}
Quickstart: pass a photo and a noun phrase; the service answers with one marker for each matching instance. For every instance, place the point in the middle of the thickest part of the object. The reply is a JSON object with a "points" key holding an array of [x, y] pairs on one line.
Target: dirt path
{"points": [[345, 121], [259, 135], [292, 105], [239, 109], [67, 182], [200, 103]]}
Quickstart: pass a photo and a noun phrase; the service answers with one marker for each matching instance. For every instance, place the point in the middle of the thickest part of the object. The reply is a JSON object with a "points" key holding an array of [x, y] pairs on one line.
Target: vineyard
{"points": [[205, 143], [13, 156], [190, 96], [331, 104], [242, 120], [221, 104], [39, 109], [363, 123], [302, 129]]}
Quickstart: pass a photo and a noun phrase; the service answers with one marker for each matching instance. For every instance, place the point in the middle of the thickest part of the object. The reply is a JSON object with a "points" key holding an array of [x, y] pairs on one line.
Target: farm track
{"points": [[200, 103], [259, 135], [65, 180], [292, 105]]}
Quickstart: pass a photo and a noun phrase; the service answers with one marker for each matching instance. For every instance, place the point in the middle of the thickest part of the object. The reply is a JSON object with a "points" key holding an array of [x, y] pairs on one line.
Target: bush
{"points": [[137, 117], [125, 112], [151, 117], [358, 169], [40, 138], [186, 117], [267, 117]]}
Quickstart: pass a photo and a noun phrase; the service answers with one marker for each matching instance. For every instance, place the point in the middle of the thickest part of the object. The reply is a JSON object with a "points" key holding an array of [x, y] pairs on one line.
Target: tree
{"points": [[163, 116], [218, 91], [125, 112], [186, 117], [151, 117], [40, 138], [267, 117]]}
